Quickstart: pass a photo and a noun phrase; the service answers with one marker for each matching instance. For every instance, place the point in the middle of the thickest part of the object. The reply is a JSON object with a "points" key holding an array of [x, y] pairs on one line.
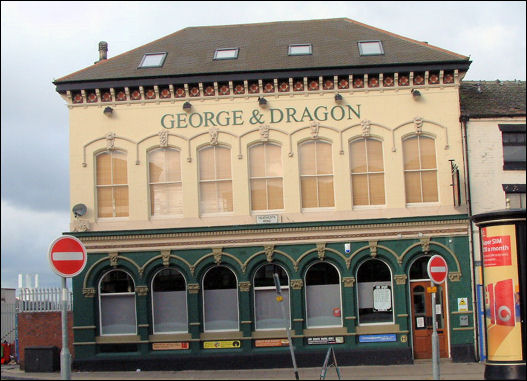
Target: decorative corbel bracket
{"points": [[193, 288], [348, 281], [400, 279], [141, 290], [244, 286], [88, 292], [297, 284]]}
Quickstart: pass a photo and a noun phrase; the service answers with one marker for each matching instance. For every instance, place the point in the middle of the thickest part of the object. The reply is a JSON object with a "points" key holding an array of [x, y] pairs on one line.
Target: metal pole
{"points": [[65, 357], [435, 351], [280, 300]]}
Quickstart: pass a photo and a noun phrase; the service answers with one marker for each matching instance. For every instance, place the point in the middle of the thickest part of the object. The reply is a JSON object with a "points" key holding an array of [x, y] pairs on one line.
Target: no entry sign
{"points": [[67, 256], [437, 269]]}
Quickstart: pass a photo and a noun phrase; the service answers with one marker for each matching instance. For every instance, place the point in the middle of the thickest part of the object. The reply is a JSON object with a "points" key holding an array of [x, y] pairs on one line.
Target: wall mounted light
{"points": [[108, 111], [187, 106], [338, 98], [262, 102], [416, 94]]}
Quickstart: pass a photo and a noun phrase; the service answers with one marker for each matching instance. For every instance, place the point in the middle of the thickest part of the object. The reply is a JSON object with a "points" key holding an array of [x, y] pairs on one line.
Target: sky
{"points": [[44, 41]]}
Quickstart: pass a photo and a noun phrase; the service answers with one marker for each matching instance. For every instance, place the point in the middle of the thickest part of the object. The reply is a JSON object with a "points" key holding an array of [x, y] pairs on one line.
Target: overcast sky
{"points": [[42, 41]]}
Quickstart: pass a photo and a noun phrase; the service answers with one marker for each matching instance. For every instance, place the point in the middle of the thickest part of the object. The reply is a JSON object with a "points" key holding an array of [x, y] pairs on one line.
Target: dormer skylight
{"points": [[370, 48], [153, 60], [226, 54], [300, 50]]}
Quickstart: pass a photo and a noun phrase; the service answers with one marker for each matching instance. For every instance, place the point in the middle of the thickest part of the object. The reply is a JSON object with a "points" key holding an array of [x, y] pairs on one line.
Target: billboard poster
{"points": [[502, 299]]}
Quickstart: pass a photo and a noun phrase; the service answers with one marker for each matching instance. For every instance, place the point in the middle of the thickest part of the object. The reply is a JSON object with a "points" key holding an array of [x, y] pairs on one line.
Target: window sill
{"points": [[422, 204], [118, 339], [330, 331], [162, 337], [374, 329], [230, 335], [271, 334]]}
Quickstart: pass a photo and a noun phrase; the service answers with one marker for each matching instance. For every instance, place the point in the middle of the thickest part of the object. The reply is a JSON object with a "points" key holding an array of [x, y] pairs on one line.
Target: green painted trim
{"points": [[463, 329], [460, 312], [119, 339], [374, 329], [274, 334], [268, 227], [85, 327], [167, 337], [402, 315], [86, 343]]}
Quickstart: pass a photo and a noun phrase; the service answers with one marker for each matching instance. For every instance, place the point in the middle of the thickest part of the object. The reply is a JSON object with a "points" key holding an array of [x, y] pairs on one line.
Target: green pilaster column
{"points": [[246, 321], [349, 308], [400, 307], [86, 327], [194, 317], [296, 296], [143, 326]]}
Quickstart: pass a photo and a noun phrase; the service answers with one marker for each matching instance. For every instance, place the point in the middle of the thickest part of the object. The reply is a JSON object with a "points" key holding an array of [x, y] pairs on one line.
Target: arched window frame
{"points": [[220, 209], [266, 177], [109, 295], [112, 186], [177, 182], [153, 301], [421, 171], [306, 299], [391, 293], [368, 173], [204, 306], [316, 176], [284, 289]]}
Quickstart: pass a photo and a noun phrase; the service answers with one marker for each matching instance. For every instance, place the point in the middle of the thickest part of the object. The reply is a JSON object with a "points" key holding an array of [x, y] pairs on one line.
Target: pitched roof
{"points": [[264, 47], [480, 99]]}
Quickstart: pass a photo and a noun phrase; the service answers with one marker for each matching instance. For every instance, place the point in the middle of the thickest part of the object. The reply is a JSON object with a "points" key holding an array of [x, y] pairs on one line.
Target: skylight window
{"points": [[300, 50], [370, 48], [153, 60], [226, 54]]}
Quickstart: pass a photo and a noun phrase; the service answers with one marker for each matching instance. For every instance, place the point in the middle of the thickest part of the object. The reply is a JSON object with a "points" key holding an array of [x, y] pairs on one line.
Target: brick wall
{"points": [[37, 329]]}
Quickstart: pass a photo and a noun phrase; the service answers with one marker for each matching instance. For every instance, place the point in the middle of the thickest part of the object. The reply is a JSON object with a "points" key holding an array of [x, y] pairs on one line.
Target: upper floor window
{"points": [[513, 139], [166, 195], [215, 181], [515, 193], [153, 60], [300, 50], [117, 304], [316, 174], [266, 177], [367, 172], [111, 184], [420, 170], [370, 48]]}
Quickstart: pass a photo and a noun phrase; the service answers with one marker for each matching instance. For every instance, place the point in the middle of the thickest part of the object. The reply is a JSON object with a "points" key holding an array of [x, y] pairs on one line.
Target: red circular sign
{"points": [[67, 256], [437, 269]]}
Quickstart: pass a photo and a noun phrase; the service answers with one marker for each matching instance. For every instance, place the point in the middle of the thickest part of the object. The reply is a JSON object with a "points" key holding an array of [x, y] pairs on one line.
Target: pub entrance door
{"points": [[422, 314]]}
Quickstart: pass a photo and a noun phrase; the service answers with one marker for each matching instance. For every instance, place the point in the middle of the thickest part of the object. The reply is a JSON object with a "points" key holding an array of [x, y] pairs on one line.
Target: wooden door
{"points": [[422, 320]]}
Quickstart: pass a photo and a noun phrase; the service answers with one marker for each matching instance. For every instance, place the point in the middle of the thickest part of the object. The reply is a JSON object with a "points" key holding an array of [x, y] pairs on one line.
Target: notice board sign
{"points": [[377, 338], [170, 346], [222, 344], [271, 343], [325, 340]]}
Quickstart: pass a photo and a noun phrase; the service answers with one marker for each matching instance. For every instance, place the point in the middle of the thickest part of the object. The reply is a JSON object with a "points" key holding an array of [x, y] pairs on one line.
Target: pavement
{"points": [[420, 370]]}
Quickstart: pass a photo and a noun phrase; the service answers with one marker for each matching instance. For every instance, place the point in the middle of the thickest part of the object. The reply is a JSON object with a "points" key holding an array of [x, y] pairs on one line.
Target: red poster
{"points": [[497, 251]]}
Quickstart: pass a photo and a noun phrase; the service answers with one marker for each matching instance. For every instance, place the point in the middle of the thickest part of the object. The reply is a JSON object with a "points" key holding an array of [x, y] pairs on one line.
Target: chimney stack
{"points": [[103, 50]]}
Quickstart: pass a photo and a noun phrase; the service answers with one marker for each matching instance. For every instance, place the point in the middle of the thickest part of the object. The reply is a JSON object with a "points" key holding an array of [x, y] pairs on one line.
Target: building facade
{"points": [[493, 124], [323, 151]]}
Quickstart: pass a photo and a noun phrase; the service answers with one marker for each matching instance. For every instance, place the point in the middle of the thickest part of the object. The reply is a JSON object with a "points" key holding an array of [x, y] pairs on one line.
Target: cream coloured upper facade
{"points": [[388, 115]]}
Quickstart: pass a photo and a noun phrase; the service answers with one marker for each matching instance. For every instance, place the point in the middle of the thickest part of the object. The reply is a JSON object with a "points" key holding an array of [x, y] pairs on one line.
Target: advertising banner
{"points": [[170, 346], [502, 299], [221, 344]]}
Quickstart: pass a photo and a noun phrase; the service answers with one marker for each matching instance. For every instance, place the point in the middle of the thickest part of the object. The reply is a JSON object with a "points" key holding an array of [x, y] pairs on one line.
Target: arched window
{"points": [[374, 292], [419, 271], [267, 311], [323, 301], [265, 162], [164, 172], [367, 172], [316, 174], [117, 304], [215, 180], [111, 184], [220, 300], [420, 169], [169, 302]]}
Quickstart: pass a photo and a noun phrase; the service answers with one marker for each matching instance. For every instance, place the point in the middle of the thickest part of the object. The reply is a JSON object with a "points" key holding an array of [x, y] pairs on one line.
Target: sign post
{"points": [[437, 271], [280, 299], [67, 257]]}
